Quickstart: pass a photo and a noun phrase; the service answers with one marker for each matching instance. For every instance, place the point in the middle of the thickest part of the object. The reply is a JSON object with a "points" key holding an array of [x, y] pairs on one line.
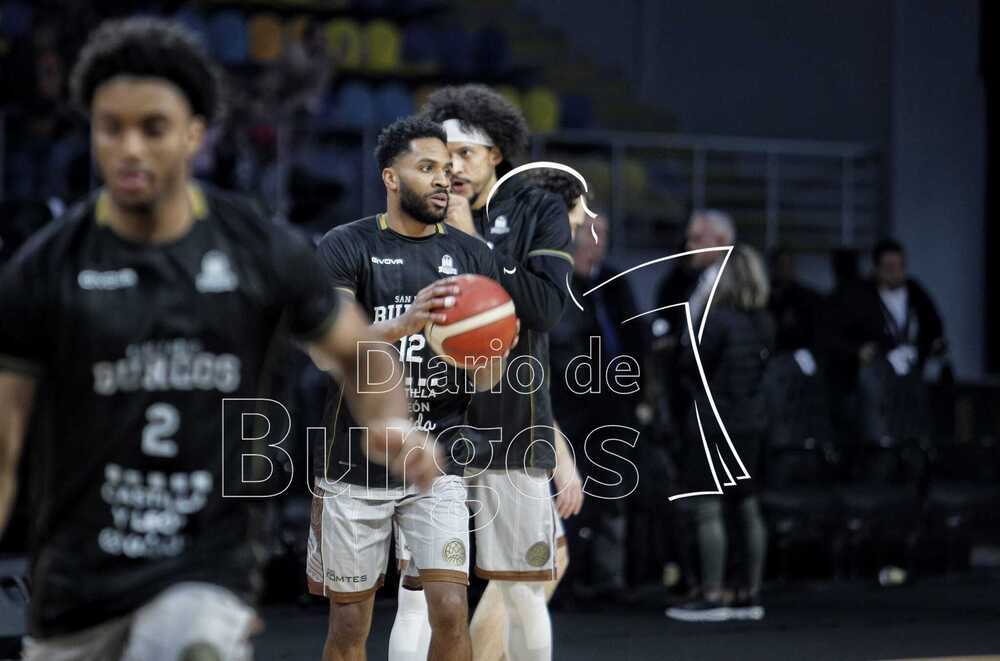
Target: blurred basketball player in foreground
{"points": [[135, 318]]}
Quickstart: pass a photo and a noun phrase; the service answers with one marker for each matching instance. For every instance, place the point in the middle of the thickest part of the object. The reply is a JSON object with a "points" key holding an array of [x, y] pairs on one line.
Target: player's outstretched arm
{"points": [[392, 439], [17, 393]]}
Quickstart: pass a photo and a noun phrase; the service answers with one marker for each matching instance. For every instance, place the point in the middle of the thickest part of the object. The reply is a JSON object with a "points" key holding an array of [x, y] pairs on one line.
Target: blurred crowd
{"points": [[828, 451]]}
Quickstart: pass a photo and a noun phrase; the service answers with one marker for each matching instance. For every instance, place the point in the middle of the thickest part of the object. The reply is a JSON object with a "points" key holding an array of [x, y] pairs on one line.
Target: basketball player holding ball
{"points": [[401, 266]]}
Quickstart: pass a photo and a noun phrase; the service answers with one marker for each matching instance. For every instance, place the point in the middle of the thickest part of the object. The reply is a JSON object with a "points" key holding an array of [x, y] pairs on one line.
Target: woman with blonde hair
{"points": [[736, 343]]}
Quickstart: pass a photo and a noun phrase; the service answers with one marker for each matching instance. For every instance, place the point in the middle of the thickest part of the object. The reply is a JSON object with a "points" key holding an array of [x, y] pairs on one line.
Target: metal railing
{"points": [[810, 195]]}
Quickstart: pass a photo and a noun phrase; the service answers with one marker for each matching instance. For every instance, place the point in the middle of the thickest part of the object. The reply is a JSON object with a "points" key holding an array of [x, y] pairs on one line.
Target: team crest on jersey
{"points": [[500, 226], [216, 274], [447, 266]]}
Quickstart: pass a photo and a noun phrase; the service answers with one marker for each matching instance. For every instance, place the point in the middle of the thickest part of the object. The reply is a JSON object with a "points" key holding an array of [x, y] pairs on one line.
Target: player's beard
{"points": [[419, 207]]}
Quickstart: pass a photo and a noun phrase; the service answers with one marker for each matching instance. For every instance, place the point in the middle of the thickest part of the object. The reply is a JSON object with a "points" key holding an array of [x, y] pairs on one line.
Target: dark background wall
{"points": [[900, 74]]}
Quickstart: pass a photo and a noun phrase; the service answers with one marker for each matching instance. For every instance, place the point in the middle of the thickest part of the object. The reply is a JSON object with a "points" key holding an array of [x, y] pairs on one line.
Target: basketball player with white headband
{"points": [[528, 230]]}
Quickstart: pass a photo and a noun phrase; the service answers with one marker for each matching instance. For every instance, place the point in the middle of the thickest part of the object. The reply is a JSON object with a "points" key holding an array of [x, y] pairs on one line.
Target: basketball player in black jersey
{"points": [[529, 232], [399, 265], [136, 326]]}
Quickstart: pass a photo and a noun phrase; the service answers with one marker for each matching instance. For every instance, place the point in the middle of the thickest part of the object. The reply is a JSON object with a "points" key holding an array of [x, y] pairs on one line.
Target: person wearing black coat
{"points": [[735, 346]]}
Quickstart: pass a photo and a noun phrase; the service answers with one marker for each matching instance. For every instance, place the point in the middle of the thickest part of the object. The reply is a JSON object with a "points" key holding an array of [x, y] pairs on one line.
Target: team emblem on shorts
{"points": [[538, 554], [454, 552]]}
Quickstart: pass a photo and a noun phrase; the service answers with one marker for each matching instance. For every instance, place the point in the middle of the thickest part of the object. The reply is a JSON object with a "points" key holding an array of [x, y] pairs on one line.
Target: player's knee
{"points": [[448, 610], [348, 624], [200, 651]]}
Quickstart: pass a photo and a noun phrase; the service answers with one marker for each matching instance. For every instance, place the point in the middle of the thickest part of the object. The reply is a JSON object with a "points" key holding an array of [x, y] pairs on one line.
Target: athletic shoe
{"points": [[700, 610], [747, 608]]}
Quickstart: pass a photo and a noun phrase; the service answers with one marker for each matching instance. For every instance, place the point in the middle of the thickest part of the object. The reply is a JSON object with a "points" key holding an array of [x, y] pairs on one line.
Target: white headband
{"points": [[472, 135]]}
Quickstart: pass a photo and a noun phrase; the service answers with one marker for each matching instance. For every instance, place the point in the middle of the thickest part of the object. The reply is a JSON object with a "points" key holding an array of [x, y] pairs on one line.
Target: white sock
{"points": [[529, 630], [410, 639]]}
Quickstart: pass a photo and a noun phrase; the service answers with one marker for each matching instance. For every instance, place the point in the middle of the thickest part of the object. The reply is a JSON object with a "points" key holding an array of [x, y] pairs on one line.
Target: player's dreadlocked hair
{"points": [[561, 183], [479, 106], [148, 48], [395, 138]]}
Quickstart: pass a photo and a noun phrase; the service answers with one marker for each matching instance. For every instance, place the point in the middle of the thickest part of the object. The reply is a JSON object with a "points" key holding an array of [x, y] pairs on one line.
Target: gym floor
{"points": [[939, 617]]}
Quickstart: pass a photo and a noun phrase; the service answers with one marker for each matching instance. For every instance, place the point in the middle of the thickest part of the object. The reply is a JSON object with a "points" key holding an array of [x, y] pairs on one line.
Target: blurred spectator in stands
{"points": [[888, 322], [795, 309], [690, 280], [734, 349], [301, 76], [586, 341]]}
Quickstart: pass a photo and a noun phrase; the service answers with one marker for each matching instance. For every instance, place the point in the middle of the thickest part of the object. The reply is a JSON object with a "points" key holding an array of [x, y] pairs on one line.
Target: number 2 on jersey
{"points": [[162, 421]]}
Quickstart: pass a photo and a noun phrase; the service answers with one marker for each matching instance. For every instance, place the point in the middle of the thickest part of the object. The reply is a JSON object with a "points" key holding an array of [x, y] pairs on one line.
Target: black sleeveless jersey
{"points": [[136, 346], [384, 270]]}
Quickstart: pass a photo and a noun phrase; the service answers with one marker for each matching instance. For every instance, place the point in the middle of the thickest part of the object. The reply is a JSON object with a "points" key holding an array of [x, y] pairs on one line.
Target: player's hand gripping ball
{"points": [[481, 324]]}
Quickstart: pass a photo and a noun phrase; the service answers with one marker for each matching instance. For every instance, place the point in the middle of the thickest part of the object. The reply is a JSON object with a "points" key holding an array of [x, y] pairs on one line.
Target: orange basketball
{"points": [[482, 323]]}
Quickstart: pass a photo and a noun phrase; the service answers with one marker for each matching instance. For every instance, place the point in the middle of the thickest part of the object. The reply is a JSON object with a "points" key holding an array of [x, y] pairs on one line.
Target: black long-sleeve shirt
{"points": [[528, 230]]}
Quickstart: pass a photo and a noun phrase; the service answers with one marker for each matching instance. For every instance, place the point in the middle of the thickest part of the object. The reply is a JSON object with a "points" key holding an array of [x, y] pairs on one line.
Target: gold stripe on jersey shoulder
{"points": [[199, 205], [546, 252]]}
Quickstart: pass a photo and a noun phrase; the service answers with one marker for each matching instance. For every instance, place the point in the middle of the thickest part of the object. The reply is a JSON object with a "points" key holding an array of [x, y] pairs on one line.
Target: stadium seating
{"points": [[800, 464], [492, 52], [194, 21], [16, 19], [345, 43], [456, 51], [392, 101], [962, 496], [576, 111], [355, 105], [266, 37], [541, 109], [420, 45], [383, 46], [227, 33], [510, 93]]}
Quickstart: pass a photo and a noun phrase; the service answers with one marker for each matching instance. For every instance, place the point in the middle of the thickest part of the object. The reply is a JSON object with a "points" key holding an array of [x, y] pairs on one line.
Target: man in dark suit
{"points": [[882, 331]]}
